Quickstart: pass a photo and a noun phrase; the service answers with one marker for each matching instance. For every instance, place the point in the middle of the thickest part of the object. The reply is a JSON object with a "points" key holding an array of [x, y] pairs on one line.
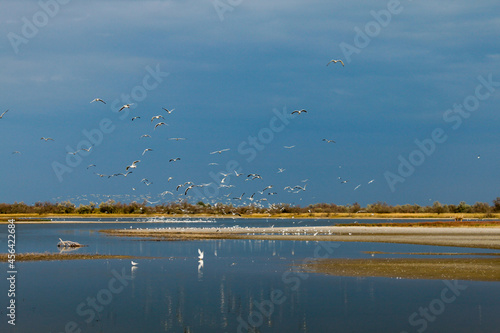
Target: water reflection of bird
{"points": [[201, 255]]}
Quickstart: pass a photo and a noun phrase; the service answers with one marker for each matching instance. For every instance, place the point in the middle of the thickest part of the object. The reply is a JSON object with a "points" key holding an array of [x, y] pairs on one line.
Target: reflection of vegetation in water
{"points": [[111, 207]]}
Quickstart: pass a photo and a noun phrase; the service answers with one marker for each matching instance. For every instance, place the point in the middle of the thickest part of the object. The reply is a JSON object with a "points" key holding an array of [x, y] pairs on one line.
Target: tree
{"points": [[496, 204]]}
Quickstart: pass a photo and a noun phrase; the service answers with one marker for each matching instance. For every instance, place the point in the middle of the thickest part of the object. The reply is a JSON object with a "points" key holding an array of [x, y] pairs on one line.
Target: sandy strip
{"points": [[458, 236], [478, 269], [61, 256]]}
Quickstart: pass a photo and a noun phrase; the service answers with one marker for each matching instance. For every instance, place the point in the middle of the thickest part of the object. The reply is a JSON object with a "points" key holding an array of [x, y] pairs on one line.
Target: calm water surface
{"points": [[243, 286]]}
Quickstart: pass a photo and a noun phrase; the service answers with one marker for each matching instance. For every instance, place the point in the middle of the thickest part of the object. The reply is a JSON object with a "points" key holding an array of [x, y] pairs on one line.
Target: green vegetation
{"points": [[321, 209]]}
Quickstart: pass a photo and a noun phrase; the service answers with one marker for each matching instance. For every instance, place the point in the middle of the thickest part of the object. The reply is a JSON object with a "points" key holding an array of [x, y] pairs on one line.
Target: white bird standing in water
{"points": [[200, 257], [134, 263]]}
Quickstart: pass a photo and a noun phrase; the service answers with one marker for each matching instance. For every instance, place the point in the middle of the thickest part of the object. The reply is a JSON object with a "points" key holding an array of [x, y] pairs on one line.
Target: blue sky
{"points": [[232, 70]]}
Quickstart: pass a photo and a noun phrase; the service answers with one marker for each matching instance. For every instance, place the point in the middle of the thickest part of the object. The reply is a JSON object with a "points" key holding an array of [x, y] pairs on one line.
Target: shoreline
{"points": [[488, 237], [25, 218]]}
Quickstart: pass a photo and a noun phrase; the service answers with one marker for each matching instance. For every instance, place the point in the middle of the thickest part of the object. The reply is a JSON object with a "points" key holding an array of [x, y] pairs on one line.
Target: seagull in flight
{"points": [[213, 163], [371, 181], [357, 187], [91, 165], [268, 187], [241, 197], [160, 124], [280, 170], [98, 100], [126, 106], [219, 151], [157, 117], [288, 147], [174, 159], [237, 174], [329, 141], [136, 118], [177, 139], [133, 165], [87, 149], [300, 187], [145, 136], [16, 152], [146, 150], [335, 61], [1, 116], [168, 111], [299, 111], [46, 139]]}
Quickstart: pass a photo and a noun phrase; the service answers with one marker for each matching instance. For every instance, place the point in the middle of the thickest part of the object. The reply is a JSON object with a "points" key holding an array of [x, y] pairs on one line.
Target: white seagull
{"points": [[126, 106], [160, 124], [168, 111], [1, 116], [136, 118], [157, 117], [329, 141], [288, 147], [134, 263], [46, 139], [146, 150], [335, 61], [133, 165], [219, 151], [98, 100], [299, 111]]}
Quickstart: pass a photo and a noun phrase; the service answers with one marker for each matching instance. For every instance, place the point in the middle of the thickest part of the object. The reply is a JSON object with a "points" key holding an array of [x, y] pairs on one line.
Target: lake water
{"points": [[242, 286]]}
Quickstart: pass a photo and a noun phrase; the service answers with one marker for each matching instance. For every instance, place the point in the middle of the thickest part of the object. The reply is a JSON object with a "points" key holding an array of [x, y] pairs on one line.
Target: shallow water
{"points": [[243, 285]]}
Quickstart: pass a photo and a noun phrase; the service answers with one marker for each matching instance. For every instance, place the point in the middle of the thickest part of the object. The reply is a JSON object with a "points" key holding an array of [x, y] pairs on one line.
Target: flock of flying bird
{"points": [[188, 185]]}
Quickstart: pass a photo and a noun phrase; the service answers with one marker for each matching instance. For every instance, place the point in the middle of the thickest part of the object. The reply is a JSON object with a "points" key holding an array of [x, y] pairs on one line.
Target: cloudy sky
{"points": [[415, 108]]}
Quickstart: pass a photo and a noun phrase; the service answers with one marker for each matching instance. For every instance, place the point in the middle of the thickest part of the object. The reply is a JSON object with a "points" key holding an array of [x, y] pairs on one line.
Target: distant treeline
{"points": [[112, 207]]}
